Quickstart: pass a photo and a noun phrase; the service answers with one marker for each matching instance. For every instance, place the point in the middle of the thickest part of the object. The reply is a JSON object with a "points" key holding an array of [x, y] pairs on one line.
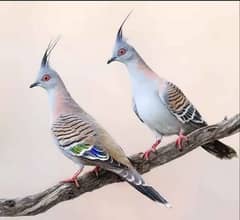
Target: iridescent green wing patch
{"points": [[79, 149], [90, 152]]}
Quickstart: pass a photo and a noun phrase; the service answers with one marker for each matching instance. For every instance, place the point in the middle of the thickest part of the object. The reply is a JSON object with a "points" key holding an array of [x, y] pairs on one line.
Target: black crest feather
{"points": [[48, 51], [119, 34]]}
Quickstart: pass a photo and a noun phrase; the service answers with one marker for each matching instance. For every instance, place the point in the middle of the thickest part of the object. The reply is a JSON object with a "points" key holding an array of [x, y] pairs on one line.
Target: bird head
{"points": [[47, 77], [122, 52]]}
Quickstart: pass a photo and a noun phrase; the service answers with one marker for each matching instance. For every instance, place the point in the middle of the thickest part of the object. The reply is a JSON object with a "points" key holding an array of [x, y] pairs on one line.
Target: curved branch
{"points": [[40, 202]]}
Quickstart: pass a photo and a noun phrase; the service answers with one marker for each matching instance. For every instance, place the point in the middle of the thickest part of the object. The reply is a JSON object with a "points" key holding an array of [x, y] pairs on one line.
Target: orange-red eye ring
{"points": [[121, 51], [46, 77]]}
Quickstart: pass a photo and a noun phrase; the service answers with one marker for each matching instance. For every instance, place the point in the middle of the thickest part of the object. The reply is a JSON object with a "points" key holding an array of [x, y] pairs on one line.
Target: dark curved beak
{"points": [[111, 60], [34, 85]]}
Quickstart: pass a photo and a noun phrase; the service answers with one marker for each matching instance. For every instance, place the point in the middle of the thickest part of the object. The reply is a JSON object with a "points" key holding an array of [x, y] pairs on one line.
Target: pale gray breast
{"points": [[155, 114]]}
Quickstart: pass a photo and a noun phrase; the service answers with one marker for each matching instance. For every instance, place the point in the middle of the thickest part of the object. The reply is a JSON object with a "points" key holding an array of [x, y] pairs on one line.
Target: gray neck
{"points": [[141, 75], [61, 102]]}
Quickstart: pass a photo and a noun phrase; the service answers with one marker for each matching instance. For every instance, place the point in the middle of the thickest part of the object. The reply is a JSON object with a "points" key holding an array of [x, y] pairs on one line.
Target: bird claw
{"points": [[152, 149], [147, 153], [96, 171], [179, 141], [72, 180]]}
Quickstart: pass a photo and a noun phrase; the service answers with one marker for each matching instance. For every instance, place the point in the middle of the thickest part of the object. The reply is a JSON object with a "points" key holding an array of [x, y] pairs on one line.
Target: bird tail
{"points": [[135, 180], [220, 150]]}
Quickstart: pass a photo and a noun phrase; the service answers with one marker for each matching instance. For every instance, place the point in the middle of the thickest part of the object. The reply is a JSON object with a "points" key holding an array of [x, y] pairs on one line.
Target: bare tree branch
{"points": [[40, 202]]}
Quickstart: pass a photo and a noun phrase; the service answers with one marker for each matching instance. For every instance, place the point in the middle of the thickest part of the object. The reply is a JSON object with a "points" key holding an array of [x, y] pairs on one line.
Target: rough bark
{"points": [[40, 202]]}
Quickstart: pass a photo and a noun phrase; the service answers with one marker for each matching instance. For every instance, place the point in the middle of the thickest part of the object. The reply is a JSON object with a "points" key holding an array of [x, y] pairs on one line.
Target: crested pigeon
{"points": [[80, 138], [160, 104]]}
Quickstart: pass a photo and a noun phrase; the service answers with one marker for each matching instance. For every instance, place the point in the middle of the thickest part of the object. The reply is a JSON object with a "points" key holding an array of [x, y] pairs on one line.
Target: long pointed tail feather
{"points": [[151, 193], [135, 180], [220, 150]]}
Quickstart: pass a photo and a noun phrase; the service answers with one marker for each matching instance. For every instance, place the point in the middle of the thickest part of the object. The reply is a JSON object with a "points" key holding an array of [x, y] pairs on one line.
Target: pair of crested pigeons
{"points": [[158, 103]]}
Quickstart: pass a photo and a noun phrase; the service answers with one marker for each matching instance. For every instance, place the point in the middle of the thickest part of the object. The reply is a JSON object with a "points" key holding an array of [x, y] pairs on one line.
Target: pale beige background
{"points": [[195, 45]]}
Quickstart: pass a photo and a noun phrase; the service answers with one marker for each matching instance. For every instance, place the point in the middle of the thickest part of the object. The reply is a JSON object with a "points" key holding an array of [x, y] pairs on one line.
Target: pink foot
{"points": [[96, 170], [74, 179], [152, 149], [179, 141]]}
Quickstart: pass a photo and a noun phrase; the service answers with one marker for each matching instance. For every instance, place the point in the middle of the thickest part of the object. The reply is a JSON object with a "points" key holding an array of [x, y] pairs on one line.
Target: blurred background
{"points": [[193, 44]]}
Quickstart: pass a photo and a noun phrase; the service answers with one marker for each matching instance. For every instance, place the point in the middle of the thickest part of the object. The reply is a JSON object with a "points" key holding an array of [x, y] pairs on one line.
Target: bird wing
{"points": [[135, 110], [178, 104], [78, 138]]}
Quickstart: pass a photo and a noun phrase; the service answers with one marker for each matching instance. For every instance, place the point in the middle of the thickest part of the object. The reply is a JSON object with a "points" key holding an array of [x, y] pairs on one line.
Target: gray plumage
{"points": [[81, 138], [160, 104]]}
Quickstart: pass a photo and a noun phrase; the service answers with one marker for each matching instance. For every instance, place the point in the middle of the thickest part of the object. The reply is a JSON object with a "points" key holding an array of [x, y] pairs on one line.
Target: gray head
{"points": [[122, 52], [47, 77]]}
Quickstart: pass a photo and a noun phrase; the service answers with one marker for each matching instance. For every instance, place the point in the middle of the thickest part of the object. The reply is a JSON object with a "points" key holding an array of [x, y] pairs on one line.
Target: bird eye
{"points": [[122, 51], [46, 77]]}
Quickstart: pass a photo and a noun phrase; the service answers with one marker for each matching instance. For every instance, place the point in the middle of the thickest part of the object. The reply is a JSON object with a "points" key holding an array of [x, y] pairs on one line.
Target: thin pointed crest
{"points": [[48, 51], [119, 34]]}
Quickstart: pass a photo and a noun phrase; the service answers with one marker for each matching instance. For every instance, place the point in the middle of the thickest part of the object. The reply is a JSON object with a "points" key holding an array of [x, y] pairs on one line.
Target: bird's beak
{"points": [[111, 60], [34, 85]]}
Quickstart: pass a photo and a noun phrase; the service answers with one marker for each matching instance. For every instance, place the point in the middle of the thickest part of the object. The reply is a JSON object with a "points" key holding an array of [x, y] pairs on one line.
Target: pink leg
{"points": [[96, 170], [152, 149], [179, 140], [74, 178]]}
